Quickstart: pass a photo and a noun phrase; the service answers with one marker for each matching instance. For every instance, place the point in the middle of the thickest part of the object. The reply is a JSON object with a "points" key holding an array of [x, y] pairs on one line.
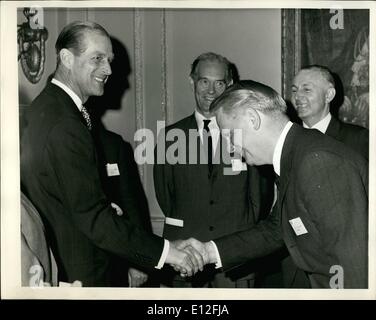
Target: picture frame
{"points": [[337, 39]]}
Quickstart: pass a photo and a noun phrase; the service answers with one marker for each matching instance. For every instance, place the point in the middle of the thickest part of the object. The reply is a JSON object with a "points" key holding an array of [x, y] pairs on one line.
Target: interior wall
{"points": [[249, 38], [155, 50]]}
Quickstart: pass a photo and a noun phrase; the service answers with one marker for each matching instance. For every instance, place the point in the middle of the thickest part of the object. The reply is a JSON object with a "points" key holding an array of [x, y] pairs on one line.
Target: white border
{"points": [[10, 195]]}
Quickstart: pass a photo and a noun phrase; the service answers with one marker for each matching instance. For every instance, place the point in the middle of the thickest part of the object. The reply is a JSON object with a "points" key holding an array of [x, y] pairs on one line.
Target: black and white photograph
{"points": [[221, 149]]}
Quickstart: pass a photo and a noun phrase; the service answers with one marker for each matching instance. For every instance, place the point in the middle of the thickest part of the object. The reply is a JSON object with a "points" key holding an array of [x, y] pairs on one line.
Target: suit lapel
{"points": [[333, 128], [287, 157], [65, 100]]}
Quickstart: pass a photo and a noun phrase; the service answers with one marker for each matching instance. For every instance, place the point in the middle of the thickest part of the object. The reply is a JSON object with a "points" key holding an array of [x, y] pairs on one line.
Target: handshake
{"points": [[190, 256]]}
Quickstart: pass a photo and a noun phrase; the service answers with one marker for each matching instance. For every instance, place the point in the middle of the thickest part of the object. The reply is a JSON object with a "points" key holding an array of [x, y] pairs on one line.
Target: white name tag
{"points": [[238, 165], [174, 222], [298, 226], [112, 169]]}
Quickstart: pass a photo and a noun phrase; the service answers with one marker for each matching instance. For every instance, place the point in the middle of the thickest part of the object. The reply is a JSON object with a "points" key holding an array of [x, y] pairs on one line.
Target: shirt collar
{"points": [[76, 99], [277, 154], [200, 121], [322, 125]]}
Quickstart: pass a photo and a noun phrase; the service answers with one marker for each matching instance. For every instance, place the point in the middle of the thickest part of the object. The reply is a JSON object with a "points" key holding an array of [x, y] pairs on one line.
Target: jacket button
{"points": [[211, 228], [211, 201]]}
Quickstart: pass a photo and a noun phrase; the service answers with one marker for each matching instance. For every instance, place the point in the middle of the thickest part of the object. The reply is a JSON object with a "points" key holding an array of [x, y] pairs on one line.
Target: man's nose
{"points": [[211, 87], [298, 95], [107, 68]]}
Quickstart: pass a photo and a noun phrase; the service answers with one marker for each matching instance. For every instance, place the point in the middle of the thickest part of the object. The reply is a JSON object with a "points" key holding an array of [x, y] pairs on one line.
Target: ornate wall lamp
{"points": [[31, 38]]}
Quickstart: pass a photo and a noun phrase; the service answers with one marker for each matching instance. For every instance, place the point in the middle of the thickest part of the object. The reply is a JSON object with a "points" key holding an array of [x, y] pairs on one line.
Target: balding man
{"points": [[59, 171], [312, 91], [321, 213]]}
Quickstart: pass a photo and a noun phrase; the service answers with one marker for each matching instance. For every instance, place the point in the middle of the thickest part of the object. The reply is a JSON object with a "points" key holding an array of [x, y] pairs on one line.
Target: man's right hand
{"points": [[206, 249], [188, 261]]}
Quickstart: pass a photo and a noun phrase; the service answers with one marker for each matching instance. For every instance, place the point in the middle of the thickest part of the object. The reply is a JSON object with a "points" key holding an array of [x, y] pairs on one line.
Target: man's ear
{"points": [[66, 58], [330, 94], [192, 83], [230, 83], [254, 118]]}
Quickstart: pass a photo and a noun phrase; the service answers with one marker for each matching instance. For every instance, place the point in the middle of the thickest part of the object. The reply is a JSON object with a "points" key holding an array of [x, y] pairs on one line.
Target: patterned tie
{"points": [[209, 145], [86, 116]]}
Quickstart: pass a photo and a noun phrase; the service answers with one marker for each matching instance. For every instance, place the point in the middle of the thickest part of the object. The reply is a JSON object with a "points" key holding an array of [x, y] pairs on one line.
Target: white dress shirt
{"points": [[78, 103], [277, 154], [76, 99], [322, 125]]}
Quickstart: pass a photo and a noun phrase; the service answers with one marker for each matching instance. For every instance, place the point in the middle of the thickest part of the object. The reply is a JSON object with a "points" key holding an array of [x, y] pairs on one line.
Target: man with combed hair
{"points": [[321, 213], [59, 170]]}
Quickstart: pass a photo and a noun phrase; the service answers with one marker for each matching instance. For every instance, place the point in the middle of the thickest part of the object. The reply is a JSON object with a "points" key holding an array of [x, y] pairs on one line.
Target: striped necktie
{"points": [[86, 116]]}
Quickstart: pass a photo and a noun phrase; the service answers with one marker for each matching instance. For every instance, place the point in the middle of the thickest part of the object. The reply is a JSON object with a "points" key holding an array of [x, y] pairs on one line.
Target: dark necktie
{"points": [[86, 116], [209, 141]]}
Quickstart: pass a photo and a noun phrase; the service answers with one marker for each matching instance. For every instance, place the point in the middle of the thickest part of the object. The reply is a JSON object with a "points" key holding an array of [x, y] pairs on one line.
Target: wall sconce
{"points": [[31, 37]]}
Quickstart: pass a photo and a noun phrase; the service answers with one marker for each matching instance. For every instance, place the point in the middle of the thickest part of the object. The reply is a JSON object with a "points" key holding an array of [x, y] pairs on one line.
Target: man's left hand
{"points": [[136, 278]]}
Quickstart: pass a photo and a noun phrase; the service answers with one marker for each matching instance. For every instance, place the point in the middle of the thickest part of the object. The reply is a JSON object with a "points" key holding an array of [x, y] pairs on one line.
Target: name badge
{"points": [[298, 226], [238, 165], [112, 169]]}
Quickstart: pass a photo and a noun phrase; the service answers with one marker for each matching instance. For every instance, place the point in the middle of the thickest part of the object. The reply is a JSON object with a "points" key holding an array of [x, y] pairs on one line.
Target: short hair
{"points": [[324, 72], [72, 36], [210, 56], [249, 93]]}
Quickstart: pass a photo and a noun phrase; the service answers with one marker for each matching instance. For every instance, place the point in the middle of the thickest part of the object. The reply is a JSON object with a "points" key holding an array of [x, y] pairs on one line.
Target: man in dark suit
{"points": [[199, 199], [312, 91], [321, 213], [59, 171]]}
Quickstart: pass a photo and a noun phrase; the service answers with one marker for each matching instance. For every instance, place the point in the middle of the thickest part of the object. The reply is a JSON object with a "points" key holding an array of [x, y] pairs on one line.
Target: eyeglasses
{"points": [[204, 84]]}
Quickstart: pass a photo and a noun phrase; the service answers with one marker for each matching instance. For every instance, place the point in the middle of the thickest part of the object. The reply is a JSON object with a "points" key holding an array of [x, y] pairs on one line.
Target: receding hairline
{"points": [[74, 34], [212, 57], [324, 74]]}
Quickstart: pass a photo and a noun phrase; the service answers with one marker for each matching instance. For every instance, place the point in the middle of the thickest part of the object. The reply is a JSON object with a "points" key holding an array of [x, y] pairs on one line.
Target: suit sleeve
{"points": [[336, 197], [71, 152], [163, 180], [255, 242]]}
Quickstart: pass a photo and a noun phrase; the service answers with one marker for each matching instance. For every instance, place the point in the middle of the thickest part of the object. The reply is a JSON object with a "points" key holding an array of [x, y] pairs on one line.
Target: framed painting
{"points": [[337, 39]]}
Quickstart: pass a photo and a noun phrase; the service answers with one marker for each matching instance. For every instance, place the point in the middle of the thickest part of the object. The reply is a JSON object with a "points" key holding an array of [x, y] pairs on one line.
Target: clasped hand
{"points": [[189, 256]]}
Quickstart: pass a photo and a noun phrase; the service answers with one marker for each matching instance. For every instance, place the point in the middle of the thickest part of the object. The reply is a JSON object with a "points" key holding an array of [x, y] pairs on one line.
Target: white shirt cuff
{"points": [[218, 263], [163, 257]]}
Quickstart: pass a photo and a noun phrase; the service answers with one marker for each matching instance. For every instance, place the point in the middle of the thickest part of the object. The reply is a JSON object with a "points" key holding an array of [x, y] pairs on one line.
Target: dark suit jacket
{"points": [[325, 184], [59, 174], [210, 205], [355, 137]]}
